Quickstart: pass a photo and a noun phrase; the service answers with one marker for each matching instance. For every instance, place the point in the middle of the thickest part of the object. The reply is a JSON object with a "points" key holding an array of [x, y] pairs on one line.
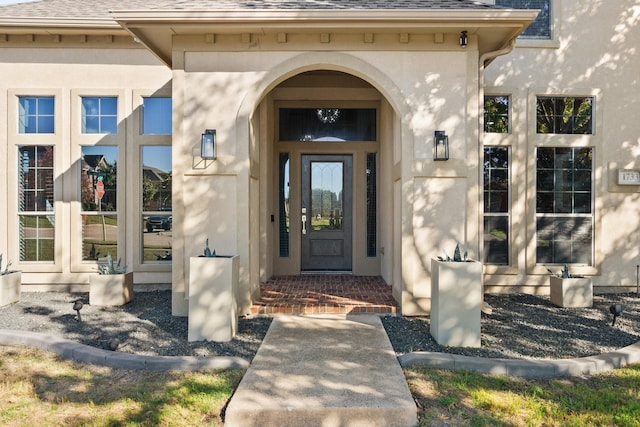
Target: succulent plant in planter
{"points": [[111, 267], [456, 256], [570, 290], [456, 300], [10, 283], [112, 285]]}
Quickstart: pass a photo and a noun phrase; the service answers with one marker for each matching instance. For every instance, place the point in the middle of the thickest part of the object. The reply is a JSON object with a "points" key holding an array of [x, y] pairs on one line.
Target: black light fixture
{"points": [[208, 145], [440, 146], [464, 39]]}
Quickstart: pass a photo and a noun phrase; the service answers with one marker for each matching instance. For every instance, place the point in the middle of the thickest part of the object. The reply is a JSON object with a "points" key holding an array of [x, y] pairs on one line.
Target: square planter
{"points": [[10, 288], [111, 289], [212, 303], [456, 301], [571, 292]]}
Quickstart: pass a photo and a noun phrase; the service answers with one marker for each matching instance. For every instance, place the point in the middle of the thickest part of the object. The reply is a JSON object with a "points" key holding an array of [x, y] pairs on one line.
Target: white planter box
{"points": [[571, 292], [212, 303], [111, 289], [10, 288], [456, 301]]}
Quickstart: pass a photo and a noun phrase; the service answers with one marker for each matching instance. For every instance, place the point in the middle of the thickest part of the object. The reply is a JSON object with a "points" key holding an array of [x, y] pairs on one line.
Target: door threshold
{"points": [[326, 272]]}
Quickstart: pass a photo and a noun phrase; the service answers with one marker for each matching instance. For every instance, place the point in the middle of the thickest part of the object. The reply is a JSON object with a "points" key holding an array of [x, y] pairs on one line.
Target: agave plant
{"points": [[456, 256], [6, 269], [111, 267]]}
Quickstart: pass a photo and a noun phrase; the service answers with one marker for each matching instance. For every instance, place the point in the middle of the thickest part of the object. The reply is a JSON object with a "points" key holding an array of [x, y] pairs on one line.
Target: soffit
{"points": [[494, 28]]}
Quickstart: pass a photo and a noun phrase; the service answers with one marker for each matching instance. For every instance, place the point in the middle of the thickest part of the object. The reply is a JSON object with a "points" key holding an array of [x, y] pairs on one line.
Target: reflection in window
{"points": [[541, 26], [327, 124], [496, 114], [99, 197], [564, 115], [564, 218], [283, 203], [326, 195], [496, 205], [157, 221], [36, 115], [372, 216], [35, 203], [99, 114], [156, 116]]}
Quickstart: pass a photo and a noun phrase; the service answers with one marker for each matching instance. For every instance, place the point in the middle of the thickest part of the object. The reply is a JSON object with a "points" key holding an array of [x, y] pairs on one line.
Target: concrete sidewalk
{"points": [[324, 370]]}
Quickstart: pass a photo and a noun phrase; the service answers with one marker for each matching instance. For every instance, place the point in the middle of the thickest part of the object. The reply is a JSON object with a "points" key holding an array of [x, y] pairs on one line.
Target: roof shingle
{"points": [[100, 8]]}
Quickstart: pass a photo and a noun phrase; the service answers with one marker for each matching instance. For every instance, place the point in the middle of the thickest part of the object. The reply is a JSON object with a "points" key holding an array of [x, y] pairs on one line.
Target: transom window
{"points": [[156, 116], [100, 114], [496, 113], [564, 115], [564, 205], [327, 124], [541, 27], [35, 203], [37, 114], [496, 205]]}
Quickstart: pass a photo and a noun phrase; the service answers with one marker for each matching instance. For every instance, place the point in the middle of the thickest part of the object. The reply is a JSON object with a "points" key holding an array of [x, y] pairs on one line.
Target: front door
{"points": [[326, 212]]}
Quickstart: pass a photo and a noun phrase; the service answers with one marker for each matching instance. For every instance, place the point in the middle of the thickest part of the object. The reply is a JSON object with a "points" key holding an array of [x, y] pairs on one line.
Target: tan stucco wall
{"points": [[594, 52], [427, 90], [102, 66]]}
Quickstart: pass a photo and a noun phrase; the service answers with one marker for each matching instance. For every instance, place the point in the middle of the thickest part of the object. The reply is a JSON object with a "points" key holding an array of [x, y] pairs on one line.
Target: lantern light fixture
{"points": [[464, 39], [208, 149], [440, 146]]}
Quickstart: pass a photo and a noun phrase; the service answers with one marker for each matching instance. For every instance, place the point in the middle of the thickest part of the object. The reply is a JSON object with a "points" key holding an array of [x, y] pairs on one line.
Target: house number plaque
{"points": [[628, 176]]}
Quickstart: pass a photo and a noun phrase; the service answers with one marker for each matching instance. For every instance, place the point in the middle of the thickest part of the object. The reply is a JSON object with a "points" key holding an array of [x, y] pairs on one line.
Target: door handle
{"points": [[304, 224]]}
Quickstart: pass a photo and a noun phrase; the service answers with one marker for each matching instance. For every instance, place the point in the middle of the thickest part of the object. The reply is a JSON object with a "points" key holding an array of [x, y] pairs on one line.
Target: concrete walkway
{"points": [[323, 370]]}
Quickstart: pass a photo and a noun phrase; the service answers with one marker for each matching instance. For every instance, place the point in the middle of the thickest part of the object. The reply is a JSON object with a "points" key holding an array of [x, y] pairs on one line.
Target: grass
{"points": [[471, 399], [38, 388]]}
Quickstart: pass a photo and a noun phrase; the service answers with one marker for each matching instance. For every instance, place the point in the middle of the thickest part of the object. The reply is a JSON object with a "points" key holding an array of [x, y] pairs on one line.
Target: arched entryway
{"points": [[325, 156]]}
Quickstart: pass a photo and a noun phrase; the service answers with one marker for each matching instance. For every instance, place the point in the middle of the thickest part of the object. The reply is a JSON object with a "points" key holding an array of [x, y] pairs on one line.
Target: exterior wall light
{"points": [[464, 39], [208, 145], [440, 146]]}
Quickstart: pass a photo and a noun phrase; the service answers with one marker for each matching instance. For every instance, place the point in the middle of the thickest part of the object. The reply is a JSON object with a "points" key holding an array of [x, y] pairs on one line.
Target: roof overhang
{"points": [[494, 28]]}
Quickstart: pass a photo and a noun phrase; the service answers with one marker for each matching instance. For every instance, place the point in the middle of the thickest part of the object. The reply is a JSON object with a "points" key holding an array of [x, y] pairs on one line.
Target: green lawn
{"points": [[38, 388]]}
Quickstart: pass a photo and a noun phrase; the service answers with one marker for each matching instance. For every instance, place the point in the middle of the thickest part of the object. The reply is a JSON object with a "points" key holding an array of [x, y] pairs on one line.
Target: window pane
{"points": [[560, 115], [99, 236], [156, 116], [496, 114], [496, 240], [327, 124], [326, 195], [541, 26], [35, 179], [100, 115], [37, 238], [564, 206], [372, 218], [496, 205], [157, 221], [98, 179], [564, 240], [36, 114], [283, 203]]}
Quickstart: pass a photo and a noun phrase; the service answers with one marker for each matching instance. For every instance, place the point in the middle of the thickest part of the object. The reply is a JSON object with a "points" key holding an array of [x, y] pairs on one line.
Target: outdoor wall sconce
{"points": [[208, 145], [440, 146], [464, 39]]}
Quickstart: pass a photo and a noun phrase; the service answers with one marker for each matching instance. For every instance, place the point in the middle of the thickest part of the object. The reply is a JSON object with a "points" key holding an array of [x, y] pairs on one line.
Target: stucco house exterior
{"points": [[326, 115]]}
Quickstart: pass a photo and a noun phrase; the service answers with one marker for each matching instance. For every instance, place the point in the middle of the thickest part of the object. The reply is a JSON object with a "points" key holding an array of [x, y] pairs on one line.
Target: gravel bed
{"points": [[530, 327], [520, 326], [144, 326]]}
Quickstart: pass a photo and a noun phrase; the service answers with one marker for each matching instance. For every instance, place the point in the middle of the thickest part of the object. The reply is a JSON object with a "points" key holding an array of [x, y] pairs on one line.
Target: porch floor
{"points": [[325, 293]]}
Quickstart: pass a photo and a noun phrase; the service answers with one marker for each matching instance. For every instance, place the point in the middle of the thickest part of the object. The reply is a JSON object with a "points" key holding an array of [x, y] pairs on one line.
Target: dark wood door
{"points": [[327, 185]]}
